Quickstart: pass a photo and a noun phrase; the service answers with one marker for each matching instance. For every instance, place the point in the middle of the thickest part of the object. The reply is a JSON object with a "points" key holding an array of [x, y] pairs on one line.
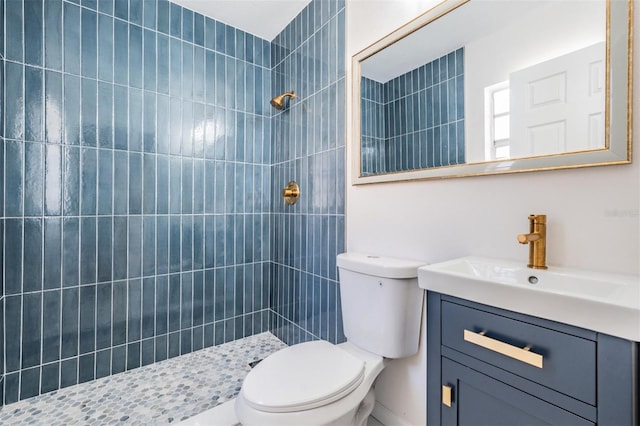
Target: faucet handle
{"points": [[527, 238]]}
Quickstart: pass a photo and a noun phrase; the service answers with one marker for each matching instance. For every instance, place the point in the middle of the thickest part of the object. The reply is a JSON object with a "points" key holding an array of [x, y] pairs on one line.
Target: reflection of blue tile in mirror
{"points": [[149, 14], [162, 16], [121, 52], [149, 59], [372, 124], [415, 120], [121, 9], [135, 56]]}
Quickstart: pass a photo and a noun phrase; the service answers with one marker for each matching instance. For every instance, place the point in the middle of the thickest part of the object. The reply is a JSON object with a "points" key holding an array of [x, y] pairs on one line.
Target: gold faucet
{"points": [[537, 240]]}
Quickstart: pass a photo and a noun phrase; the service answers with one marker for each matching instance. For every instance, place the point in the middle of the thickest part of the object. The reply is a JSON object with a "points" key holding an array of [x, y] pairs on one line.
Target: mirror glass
{"points": [[474, 87]]}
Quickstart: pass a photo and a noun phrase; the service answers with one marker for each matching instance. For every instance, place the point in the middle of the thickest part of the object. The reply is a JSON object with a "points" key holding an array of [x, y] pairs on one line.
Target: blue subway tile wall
{"points": [[415, 120], [308, 142], [137, 165]]}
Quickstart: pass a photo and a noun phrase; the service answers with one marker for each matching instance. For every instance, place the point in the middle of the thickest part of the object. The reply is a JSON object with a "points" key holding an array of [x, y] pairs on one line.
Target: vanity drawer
{"points": [[560, 361]]}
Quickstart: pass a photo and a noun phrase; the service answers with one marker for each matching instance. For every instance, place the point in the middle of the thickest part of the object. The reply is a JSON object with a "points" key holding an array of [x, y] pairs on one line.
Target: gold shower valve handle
{"points": [[291, 193]]}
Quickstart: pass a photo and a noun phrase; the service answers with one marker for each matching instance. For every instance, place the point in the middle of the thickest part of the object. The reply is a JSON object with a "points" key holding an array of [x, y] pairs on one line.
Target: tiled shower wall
{"points": [[308, 140], [136, 176], [423, 112]]}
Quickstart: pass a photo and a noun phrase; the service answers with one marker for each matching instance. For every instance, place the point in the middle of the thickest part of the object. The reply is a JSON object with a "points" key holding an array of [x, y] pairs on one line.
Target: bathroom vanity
{"points": [[508, 345], [584, 377]]}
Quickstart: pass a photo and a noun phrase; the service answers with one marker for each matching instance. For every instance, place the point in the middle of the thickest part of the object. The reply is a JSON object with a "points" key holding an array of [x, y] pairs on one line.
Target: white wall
{"points": [[593, 213]]}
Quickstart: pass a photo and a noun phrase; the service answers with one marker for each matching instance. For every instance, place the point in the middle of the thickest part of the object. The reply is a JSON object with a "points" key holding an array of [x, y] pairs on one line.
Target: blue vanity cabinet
{"points": [[479, 399], [489, 366]]}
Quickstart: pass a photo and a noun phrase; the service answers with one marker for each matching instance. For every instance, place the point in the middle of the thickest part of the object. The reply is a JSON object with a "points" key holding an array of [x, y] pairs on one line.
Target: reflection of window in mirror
{"points": [[497, 121]]}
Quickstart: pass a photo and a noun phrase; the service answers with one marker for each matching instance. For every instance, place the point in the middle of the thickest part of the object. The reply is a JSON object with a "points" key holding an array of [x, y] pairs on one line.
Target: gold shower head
{"points": [[278, 101]]}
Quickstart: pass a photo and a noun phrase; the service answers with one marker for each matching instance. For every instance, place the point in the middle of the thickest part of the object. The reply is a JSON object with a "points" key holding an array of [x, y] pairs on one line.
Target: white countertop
{"points": [[605, 303]]}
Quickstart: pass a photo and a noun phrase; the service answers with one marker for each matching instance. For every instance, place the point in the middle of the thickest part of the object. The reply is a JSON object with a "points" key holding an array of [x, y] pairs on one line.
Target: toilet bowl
{"points": [[320, 383], [311, 383]]}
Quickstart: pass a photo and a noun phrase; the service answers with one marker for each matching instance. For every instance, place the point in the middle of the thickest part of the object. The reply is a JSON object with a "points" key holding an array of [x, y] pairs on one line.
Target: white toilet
{"points": [[318, 383]]}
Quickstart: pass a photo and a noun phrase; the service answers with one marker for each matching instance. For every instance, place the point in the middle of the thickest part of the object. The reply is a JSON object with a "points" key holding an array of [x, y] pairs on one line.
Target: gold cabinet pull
{"points": [[521, 354], [446, 395]]}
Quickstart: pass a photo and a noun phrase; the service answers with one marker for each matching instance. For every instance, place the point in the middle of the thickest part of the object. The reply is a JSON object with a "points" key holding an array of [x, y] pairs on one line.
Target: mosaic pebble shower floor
{"points": [[158, 394]]}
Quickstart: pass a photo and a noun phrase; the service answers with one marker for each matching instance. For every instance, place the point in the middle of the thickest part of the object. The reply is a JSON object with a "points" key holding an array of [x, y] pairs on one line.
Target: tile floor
{"points": [[158, 394]]}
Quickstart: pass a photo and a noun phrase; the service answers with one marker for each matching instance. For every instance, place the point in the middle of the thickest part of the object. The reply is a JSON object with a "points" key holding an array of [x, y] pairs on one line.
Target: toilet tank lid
{"points": [[385, 267]]}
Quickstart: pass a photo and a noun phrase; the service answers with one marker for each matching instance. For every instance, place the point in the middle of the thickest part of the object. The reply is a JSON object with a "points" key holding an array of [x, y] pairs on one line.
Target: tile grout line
{"points": [[44, 207], [22, 179]]}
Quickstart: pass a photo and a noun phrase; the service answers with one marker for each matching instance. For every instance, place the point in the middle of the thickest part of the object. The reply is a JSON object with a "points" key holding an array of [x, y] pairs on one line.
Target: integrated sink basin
{"points": [[606, 303]]}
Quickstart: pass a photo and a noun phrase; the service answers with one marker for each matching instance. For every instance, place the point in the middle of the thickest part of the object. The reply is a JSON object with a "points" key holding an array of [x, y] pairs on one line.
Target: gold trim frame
{"points": [[618, 110]]}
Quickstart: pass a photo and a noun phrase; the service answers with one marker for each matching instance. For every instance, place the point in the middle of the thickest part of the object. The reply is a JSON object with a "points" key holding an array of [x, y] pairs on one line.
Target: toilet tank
{"points": [[381, 303]]}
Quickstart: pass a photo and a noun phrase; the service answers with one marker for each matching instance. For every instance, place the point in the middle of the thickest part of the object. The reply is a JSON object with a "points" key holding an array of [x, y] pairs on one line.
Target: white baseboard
{"points": [[388, 417], [220, 415]]}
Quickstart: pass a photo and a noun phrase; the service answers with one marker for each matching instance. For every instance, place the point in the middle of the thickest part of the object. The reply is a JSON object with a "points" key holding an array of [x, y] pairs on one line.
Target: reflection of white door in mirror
{"points": [[558, 106], [566, 66]]}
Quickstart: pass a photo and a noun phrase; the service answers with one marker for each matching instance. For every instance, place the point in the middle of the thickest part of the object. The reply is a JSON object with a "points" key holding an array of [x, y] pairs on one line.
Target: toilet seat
{"points": [[302, 377]]}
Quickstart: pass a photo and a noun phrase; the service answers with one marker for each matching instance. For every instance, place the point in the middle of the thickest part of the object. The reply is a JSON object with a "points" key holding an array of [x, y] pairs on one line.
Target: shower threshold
{"points": [[163, 393]]}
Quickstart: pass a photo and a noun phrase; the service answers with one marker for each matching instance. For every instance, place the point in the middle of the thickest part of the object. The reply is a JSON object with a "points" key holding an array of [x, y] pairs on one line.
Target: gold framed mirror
{"points": [[476, 87]]}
